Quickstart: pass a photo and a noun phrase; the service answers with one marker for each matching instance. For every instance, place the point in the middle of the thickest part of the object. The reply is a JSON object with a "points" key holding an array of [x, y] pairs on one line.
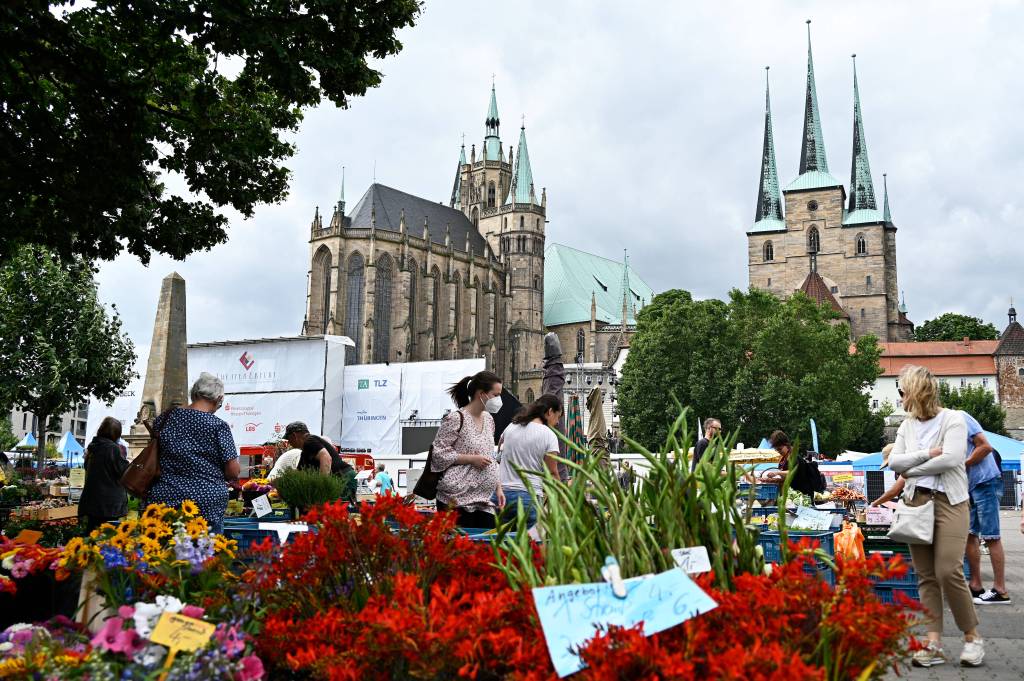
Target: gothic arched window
{"points": [[354, 306], [529, 396], [414, 274], [862, 245], [439, 316], [581, 343], [490, 195], [320, 290], [813, 240], [481, 313], [455, 318], [522, 222], [475, 217], [769, 251], [382, 310], [504, 224]]}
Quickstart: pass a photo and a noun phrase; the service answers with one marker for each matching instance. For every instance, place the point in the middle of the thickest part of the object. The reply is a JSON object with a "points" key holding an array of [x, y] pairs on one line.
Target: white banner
{"points": [[425, 386], [256, 418], [370, 413], [262, 367]]}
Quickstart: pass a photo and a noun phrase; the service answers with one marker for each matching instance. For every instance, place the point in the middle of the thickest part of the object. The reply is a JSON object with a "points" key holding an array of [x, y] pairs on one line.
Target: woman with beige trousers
{"points": [[930, 449]]}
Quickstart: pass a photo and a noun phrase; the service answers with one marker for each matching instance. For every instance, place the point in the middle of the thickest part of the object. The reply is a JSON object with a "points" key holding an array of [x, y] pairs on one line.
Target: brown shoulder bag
{"points": [[144, 469]]}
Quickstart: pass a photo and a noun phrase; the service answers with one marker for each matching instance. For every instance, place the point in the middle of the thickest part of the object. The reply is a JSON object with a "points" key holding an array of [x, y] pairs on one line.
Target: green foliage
{"points": [[104, 100], [58, 345], [596, 516], [307, 488], [7, 437], [886, 409], [955, 327], [758, 363], [977, 401]]}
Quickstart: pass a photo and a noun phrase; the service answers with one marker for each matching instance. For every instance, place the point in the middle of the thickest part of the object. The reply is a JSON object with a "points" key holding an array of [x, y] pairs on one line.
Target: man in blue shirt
{"points": [[985, 482], [383, 481]]}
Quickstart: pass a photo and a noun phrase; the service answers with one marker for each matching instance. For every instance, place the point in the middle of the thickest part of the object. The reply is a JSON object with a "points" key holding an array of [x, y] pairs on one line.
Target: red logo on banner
{"points": [[251, 427], [246, 360], [278, 427]]}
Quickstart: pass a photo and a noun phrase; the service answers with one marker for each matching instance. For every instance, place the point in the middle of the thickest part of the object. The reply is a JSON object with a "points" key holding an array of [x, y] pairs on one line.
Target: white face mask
{"points": [[493, 405]]}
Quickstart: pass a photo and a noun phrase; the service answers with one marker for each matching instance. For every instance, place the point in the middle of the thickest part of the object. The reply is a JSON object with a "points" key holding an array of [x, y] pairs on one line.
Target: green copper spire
{"points": [[812, 153], [768, 214], [886, 215], [521, 190], [457, 188], [862, 189], [492, 141], [341, 197]]}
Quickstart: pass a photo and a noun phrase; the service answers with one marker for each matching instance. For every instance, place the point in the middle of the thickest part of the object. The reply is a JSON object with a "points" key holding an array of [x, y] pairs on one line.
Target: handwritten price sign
{"points": [[178, 632]]}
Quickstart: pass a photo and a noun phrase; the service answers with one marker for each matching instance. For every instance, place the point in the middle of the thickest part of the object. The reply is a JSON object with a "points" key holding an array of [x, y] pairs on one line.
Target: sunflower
{"points": [[222, 544], [127, 528], [151, 549], [196, 527], [189, 508], [157, 511], [121, 542]]}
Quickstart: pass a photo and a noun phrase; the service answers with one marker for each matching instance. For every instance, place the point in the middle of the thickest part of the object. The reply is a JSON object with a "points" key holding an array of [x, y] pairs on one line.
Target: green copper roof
{"points": [[813, 180], [812, 153], [492, 141], [768, 225], [521, 190], [886, 215], [862, 189], [572, 276], [457, 187], [862, 216], [769, 198]]}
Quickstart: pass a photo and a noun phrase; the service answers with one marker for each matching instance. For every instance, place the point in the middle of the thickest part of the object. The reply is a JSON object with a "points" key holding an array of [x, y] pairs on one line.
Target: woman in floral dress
{"points": [[464, 452]]}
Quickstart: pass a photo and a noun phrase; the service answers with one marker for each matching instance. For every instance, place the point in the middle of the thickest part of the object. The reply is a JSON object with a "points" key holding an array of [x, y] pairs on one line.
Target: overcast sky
{"points": [[644, 122]]}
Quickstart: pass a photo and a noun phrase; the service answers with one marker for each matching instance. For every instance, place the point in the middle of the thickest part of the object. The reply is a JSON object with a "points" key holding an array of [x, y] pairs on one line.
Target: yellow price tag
{"points": [[178, 632], [76, 477], [843, 477]]}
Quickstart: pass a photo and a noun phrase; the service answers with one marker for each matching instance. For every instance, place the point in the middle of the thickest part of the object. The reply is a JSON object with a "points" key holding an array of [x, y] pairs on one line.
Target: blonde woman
{"points": [[929, 453]]}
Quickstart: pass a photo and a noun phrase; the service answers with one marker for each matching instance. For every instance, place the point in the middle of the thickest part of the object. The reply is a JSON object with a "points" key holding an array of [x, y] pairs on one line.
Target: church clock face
{"points": [[812, 205]]}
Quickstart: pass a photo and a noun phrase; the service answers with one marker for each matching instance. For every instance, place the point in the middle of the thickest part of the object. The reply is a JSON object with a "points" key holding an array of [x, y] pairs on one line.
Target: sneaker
{"points": [[992, 597], [974, 653], [929, 656], [975, 593]]}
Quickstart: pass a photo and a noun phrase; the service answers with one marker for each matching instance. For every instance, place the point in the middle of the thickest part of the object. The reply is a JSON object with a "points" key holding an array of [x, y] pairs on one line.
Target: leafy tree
{"points": [[7, 437], [756, 362], [955, 327], [58, 345], [103, 100], [977, 401]]}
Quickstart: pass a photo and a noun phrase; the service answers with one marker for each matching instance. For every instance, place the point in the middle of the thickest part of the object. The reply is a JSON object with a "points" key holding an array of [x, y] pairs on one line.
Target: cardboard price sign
{"points": [[693, 560], [842, 477], [261, 505], [76, 477], [178, 632]]}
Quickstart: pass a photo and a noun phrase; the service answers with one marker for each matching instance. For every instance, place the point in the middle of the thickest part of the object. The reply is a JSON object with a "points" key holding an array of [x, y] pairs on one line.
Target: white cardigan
{"points": [[913, 463]]}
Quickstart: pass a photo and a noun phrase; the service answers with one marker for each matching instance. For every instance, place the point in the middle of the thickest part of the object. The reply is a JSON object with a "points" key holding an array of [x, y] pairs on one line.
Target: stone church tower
{"points": [[498, 196], [812, 236], [411, 279]]}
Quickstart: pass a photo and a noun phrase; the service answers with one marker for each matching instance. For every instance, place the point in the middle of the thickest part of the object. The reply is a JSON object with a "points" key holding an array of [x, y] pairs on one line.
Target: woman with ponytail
{"points": [[464, 451], [529, 444]]}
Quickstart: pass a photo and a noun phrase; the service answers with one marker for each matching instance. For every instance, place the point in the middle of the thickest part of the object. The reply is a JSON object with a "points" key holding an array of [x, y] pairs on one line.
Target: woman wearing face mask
{"points": [[529, 444], [464, 452]]}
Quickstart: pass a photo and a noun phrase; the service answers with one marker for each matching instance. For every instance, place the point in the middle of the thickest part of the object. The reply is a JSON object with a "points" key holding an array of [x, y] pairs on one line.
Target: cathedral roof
{"points": [[816, 289], [385, 205], [521, 190], [1012, 340], [862, 187], [572, 277], [768, 214]]}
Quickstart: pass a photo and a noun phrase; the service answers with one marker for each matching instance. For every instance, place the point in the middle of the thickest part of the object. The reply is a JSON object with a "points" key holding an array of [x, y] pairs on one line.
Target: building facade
{"points": [[813, 230], [74, 421], [411, 279], [1009, 361]]}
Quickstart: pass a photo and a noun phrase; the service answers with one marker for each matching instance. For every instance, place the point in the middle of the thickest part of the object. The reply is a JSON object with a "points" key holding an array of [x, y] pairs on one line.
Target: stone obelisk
{"points": [[166, 382]]}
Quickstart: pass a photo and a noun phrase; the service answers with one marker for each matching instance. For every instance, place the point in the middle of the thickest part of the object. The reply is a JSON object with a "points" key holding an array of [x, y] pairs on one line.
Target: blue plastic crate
{"points": [[887, 594], [763, 493], [246, 531], [909, 579], [769, 541]]}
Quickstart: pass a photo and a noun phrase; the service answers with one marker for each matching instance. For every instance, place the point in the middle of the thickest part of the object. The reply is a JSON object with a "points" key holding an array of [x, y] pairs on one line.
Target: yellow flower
{"points": [[150, 548], [121, 543], [189, 508], [14, 668], [127, 528], [196, 527], [157, 511], [222, 544]]}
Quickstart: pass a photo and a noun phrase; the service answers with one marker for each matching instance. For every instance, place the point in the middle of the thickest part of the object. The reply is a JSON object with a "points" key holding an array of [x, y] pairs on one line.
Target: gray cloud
{"points": [[644, 123]]}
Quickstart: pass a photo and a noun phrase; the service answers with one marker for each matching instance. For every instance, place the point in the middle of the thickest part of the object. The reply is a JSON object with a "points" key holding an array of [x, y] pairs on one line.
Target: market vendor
{"points": [[316, 452], [781, 443], [287, 461]]}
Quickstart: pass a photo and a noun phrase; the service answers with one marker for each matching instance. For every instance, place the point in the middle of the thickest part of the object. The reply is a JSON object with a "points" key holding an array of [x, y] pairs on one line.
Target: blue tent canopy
{"points": [[27, 442], [1009, 449], [69, 448]]}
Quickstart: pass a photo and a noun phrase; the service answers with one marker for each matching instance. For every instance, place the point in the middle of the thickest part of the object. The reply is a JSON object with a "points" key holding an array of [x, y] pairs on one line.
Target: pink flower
{"points": [[106, 638], [128, 642], [193, 611], [231, 639], [126, 611], [250, 668]]}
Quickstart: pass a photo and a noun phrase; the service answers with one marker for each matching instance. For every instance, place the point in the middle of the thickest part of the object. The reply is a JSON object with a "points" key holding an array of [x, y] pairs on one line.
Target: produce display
{"points": [[844, 494]]}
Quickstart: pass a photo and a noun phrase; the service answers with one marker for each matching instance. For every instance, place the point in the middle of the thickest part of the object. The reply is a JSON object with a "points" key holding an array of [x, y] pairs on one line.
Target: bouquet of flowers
{"points": [[167, 550], [21, 560], [261, 485]]}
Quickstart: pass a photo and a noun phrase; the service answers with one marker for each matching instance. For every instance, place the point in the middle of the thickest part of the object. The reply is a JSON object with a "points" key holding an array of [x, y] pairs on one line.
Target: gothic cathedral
{"points": [[412, 279], [838, 249]]}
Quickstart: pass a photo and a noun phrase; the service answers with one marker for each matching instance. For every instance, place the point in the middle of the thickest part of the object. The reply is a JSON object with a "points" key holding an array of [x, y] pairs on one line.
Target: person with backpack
{"points": [[807, 479], [463, 452]]}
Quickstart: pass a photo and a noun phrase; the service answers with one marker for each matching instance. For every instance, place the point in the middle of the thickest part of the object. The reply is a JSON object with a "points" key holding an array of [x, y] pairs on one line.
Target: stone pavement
{"points": [[1002, 626]]}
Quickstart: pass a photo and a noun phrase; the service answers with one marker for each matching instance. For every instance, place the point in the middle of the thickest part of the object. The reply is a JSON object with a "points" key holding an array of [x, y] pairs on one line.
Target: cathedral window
{"points": [[455, 317], [867, 281], [490, 195], [414, 274], [529, 395], [813, 240], [769, 251], [862, 245], [862, 313], [834, 289], [812, 205], [581, 343], [354, 306], [475, 217], [522, 222], [537, 224], [536, 282], [320, 290], [504, 224], [438, 316], [382, 309]]}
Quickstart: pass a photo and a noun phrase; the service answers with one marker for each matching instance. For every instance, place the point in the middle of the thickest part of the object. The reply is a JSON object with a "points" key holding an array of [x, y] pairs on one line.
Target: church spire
{"points": [[862, 189], [625, 289], [812, 153], [886, 215], [492, 140], [769, 199], [341, 196], [457, 188], [521, 190]]}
